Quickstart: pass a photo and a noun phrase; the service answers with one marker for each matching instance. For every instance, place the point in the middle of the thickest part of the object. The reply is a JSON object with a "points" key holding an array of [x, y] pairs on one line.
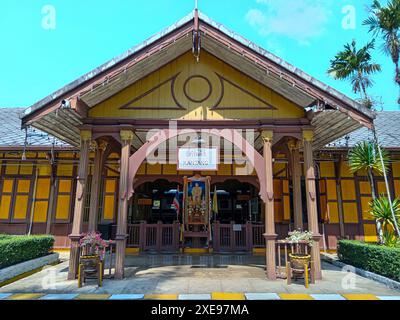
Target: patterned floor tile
{"points": [[227, 296], [355, 296], [327, 297], [262, 296], [295, 296], [195, 297], [127, 297], [71, 296]]}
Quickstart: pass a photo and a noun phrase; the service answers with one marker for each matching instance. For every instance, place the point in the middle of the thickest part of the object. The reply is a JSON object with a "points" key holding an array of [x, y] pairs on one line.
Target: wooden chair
{"points": [[90, 267], [307, 272]]}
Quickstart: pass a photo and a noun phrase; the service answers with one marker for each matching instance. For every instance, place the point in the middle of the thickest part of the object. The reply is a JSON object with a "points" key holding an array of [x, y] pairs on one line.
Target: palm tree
{"points": [[380, 209], [365, 157], [356, 66], [385, 22]]}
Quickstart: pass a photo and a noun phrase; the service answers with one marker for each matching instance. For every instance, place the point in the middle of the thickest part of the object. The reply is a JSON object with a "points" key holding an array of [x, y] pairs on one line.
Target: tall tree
{"points": [[356, 66], [365, 157], [384, 21]]}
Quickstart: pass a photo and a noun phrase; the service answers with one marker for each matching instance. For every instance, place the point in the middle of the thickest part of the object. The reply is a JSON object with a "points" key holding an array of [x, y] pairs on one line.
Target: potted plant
{"points": [[299, 259], [93, 245]]}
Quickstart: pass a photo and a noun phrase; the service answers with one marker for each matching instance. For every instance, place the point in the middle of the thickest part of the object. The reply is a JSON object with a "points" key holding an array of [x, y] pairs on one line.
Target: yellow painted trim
{"points": [[227, 296], [259, 251], [295, 296], [308, 135], [61, 250], [25, 296], [196, 250], [161, 297], [355, 296], [93, 296], [132, 251], [86, 135]]}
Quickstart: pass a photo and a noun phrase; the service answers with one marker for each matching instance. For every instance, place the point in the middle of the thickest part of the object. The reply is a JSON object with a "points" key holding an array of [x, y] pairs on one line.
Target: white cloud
{"points": [[300, 20]]}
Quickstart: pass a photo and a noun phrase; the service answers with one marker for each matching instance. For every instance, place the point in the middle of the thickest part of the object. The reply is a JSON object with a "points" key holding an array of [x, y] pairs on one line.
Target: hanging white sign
{"points": [[198, 159]]}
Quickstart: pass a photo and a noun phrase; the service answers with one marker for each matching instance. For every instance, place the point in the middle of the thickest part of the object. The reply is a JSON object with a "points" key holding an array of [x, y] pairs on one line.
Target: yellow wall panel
{"points": [[279, 169], [154, 169], [396, 169], [348, 190], [40, 211], [63, 206], [286, 208], [111, 186], [397, 188], [381, 188], [327, 169], [365, 208], [5, 207], [345, 170], [169, 169], [26, 169], [43, 188], [114, 172], [370, 233], [12, 168], [224, 169], [44, 170], [333, 212], [64, 186], [21, 206], [285, 184], [23, 186], [109, 205], [142, 169], [331, 189], [65, 170], [350, 212], [8, 185], [365, 187]]}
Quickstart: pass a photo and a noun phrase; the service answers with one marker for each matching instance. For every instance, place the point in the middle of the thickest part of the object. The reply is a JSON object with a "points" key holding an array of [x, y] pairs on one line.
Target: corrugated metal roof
{"points": [[387, 125], [11, 134]]}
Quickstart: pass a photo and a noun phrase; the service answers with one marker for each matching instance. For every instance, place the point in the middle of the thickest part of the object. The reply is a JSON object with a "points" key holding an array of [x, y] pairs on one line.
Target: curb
{"points": [[392, 284], [27, 268], [215, 296]]}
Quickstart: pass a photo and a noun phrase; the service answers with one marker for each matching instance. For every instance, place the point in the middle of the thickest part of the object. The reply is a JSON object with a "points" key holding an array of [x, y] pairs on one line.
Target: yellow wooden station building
{"points": [[199, 114]]}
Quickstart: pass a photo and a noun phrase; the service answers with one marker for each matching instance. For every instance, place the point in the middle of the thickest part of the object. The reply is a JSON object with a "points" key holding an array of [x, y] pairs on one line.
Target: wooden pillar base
{"points": [[120, 256], [74, 257], [316, 257], [270, 241]]}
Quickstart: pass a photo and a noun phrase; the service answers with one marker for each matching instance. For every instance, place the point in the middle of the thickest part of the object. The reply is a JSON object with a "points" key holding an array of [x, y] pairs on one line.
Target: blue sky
{"points": [[34, 61]]}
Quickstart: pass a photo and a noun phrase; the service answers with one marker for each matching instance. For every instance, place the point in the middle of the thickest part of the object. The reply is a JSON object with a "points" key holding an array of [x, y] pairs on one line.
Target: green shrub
{"points": [[16, 249], [371, 257]]}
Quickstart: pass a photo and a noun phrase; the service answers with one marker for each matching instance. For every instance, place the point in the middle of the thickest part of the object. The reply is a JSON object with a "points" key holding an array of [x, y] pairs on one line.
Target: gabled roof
{"points": [[334, 113], [11, 134], [387, 125]]}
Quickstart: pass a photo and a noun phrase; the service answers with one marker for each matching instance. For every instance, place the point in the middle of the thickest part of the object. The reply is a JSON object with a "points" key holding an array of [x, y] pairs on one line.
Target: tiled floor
{"points": [[196, 277]]}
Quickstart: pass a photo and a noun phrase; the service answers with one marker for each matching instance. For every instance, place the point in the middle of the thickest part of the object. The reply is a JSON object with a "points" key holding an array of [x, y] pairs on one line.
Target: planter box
{"points": [[27, 266]]}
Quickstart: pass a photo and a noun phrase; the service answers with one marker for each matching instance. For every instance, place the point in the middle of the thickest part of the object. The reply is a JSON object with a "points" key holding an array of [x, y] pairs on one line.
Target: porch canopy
{"points": [[200, 75], [331, 113]]}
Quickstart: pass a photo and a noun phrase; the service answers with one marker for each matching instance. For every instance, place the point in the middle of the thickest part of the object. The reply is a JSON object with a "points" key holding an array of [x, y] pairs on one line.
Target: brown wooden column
{"points": [[126, 138], [270, 235], [296, 179], [311, 192], [86, 137], [95, 187], [338, 174], [52, 200]]}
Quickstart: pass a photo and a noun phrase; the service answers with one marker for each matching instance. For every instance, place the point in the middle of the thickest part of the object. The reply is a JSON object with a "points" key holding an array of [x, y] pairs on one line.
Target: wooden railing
{"points": [[159, 237], [283, 249], [232, 237]]}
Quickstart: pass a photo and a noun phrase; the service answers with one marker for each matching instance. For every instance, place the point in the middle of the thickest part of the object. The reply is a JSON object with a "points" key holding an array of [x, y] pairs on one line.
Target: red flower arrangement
{"points": [[93, 243]]}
